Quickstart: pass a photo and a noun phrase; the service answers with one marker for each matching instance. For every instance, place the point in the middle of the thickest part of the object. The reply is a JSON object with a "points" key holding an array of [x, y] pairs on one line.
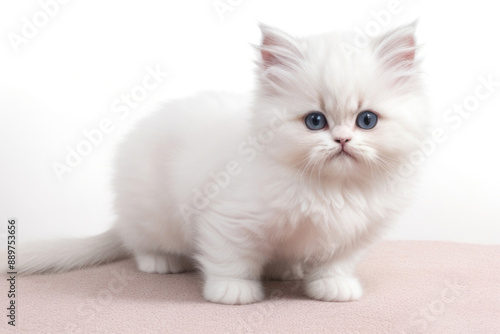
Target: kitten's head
{"points": [[349, 112]]}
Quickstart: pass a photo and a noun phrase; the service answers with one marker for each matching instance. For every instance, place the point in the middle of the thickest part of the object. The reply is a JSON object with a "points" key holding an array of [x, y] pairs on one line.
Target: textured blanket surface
{"points": [[409, 287]]}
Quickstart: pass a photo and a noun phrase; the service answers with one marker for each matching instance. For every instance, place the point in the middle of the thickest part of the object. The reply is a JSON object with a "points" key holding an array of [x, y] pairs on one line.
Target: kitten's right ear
{"points": [[277, 47], [280, 59]]}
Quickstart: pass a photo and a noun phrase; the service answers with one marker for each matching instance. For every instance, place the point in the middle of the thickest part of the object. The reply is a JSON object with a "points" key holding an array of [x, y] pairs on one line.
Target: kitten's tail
{"points": [[67, 254]]}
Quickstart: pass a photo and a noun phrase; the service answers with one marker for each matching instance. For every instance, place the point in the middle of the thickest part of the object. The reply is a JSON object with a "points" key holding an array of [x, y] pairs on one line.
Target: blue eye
{"points": [[366, 120], [315, 120]]}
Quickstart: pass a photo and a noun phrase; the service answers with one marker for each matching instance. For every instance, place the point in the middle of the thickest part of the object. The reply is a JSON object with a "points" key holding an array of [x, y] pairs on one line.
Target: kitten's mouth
{"points": [[343, 154]]}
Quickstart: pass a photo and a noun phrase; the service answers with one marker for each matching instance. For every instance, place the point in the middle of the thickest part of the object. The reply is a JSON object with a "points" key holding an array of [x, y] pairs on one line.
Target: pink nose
{"points": [[342, 141], [342, 134]]}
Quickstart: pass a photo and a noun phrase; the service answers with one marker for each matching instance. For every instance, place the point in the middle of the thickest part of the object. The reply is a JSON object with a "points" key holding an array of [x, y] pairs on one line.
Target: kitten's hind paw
{"points": [[283, 272], [334, 289], [225, 290], [162, 263]]}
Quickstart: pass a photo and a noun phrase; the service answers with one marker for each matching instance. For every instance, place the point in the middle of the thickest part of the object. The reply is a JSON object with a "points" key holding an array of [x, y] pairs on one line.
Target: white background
{"points": [[66, 77]]}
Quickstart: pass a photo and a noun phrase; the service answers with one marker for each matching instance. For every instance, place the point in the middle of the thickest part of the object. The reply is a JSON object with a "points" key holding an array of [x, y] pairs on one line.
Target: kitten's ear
{"points": [[396, 49], [277, 47], [280, 60]]}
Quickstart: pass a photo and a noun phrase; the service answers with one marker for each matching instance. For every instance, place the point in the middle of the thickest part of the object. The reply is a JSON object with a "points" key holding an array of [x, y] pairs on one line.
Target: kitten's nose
{"points": [[342, 134], [342, 141]]}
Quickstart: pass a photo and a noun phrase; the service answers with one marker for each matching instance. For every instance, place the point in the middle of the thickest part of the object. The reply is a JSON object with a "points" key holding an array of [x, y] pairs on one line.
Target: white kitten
{"points": [[296, 182]]}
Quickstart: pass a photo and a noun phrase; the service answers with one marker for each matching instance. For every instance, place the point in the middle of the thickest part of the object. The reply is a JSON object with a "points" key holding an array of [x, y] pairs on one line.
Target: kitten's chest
{"points": [[312, 223]]}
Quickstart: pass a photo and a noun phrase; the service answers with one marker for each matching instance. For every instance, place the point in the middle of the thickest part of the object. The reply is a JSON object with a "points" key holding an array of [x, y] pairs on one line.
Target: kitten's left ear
{"points": [[396, 49]]}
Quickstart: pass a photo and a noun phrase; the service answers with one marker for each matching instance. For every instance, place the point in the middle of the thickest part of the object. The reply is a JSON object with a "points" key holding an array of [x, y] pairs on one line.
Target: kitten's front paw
{"points": [[335, 289], [226, 290]]}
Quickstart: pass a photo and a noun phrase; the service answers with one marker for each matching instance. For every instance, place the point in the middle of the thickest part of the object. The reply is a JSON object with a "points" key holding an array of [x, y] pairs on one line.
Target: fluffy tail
{"points": [[68, 254]]}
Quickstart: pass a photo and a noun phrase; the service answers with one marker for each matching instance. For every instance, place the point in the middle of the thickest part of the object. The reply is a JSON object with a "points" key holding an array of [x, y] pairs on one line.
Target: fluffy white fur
{"points": [[295, 207]]}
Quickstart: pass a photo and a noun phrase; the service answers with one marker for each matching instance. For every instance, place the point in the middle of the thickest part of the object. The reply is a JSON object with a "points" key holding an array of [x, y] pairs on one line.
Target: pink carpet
{"points": [[410, 287]]}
